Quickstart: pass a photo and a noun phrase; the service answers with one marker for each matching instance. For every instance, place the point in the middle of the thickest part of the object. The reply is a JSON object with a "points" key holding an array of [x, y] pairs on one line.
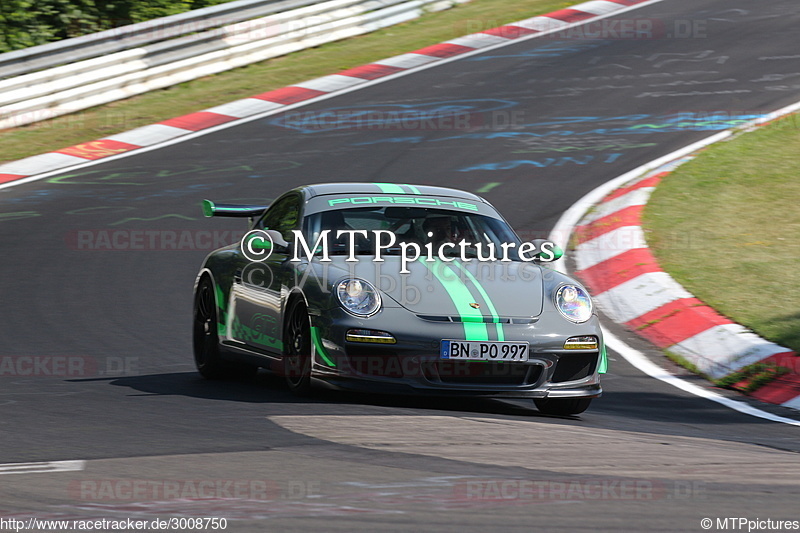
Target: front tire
{"points": [[562, 406], [207, 356], [297, 349]]}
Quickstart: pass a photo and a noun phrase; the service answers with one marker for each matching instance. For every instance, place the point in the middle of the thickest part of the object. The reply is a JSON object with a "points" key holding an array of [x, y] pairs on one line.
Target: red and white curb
{"points": [[278, 99], [627, 283]]}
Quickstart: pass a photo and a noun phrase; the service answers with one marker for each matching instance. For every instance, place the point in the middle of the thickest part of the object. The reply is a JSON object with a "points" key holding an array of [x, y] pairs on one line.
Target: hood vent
{"points": [[485, 319]]}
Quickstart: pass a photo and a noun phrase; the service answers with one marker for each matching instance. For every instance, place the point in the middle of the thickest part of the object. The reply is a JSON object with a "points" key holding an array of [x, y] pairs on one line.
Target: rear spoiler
{"points": [[210, 209]]}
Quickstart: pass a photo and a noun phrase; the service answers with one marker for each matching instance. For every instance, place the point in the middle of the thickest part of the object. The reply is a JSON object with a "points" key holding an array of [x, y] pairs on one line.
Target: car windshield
{"points": [[410, 224]]}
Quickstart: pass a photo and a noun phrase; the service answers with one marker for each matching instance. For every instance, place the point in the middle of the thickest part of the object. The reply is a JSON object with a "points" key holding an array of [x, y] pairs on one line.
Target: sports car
{"points": [[382, 287]]}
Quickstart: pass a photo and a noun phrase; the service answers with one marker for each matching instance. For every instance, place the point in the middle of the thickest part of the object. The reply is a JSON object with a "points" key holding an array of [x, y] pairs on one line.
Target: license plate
{"points": [[484, 351]]}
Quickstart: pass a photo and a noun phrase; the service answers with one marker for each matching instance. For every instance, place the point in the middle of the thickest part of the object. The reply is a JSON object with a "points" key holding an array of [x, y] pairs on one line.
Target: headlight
{"points": [[574, 303], [358, 297]]}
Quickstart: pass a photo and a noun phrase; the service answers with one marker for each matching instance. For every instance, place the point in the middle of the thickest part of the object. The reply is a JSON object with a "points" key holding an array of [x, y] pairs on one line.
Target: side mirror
{"points": [[275, 243], [547, 251], [280, 245]]}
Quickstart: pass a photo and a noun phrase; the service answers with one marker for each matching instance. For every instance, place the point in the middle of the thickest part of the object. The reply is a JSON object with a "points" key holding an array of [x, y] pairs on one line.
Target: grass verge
{"points": [[431, 28], [726, 225], [752, 377], [685, 363]]}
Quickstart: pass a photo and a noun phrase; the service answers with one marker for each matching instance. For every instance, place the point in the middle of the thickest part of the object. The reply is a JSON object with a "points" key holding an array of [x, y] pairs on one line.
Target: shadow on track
{"points": [[269, 388]]}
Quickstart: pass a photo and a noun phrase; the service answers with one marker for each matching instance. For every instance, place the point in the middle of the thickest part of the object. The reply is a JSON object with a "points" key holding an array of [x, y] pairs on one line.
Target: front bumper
{"points": [[413, 365]]}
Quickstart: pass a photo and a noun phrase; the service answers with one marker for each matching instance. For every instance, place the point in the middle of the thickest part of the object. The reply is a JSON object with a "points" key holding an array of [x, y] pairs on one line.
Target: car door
{"points": [[257, 286]]}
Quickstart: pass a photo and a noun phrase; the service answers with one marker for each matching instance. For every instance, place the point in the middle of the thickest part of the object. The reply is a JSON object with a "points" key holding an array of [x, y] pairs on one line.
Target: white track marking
{"points": [[640, 361], [42, 468], [653, 290], [407, 61], [478, 40], [244, 107], [544, 23], [149, 135], [635, 197], [609, 245], [598, 7], [723, 349], [48, 161], [329, 84]]}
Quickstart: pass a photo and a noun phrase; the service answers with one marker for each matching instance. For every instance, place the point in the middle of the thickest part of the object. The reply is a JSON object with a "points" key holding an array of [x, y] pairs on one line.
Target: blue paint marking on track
{"points": [[544, 163], [557, 49]]}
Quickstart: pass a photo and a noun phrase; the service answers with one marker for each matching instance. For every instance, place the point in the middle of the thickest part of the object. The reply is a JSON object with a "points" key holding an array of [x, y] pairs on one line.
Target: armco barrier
{"points": [[50, 55], [46, 81]]}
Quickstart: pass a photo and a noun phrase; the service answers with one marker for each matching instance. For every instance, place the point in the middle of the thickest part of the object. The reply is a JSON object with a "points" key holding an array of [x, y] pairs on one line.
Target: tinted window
{"points": [[282, 217], [408, 225]]}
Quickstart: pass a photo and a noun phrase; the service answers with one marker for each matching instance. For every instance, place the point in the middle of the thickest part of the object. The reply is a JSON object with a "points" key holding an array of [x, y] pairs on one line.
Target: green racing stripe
{"points": [[602, 367], [495, 317], [222, 311], [390, 188], [474, 327], [320, 350], [393, 188]]}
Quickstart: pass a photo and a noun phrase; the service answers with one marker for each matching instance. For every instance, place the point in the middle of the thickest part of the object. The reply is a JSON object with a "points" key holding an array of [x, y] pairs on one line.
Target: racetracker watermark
{"points": [[67, 366], [258, 245], [105, 490], [229, 28], [66, 117], [513, 491], [114, 524], [625, 29], [373, 362], [149, 240], [443, 117]]}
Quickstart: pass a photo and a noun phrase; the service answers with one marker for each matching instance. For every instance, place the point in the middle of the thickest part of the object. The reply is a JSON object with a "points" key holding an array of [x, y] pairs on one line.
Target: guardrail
{"points": [[47, 81]]}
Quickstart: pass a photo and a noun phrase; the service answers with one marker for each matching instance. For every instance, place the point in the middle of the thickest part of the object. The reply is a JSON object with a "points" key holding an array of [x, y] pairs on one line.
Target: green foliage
{"points": [[685, 363], [756, 376], [25, 23]]}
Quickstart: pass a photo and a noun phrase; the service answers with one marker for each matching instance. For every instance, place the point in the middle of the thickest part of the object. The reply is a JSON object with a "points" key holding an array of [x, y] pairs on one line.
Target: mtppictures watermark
{"points": [[731, 523], [257, 246]]}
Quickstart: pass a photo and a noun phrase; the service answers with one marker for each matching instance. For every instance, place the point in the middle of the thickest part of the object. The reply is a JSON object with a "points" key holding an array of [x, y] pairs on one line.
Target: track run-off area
{"points": [[99, 390]]}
